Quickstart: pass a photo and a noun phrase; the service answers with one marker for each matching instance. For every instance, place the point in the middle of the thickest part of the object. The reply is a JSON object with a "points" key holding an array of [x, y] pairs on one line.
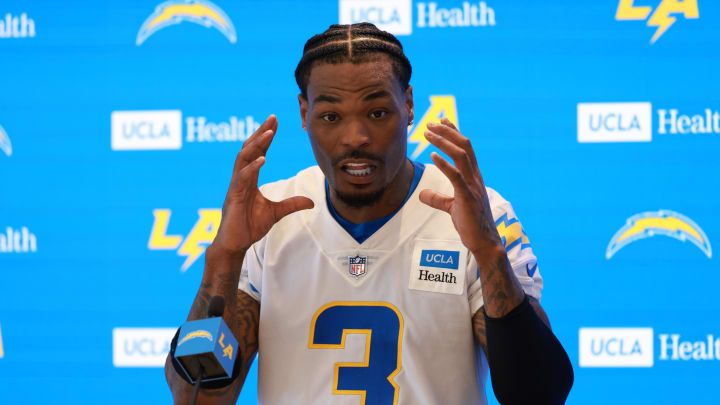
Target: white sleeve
{"points": [[518, 248], [251, 273]]}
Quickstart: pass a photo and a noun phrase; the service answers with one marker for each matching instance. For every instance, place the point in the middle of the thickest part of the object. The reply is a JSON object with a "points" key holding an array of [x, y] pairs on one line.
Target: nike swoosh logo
{"points": [[531, 270]]}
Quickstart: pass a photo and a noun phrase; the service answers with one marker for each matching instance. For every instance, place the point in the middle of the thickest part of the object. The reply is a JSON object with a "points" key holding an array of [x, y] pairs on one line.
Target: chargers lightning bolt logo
{"points": [[196, 334], [663, 222], [661, 18], [200, 12], [511, 233], [201, 235], [440, 106], [5, 144]]}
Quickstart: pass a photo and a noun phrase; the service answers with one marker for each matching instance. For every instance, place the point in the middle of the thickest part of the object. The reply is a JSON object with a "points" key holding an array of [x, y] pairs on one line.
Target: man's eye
{"points": [[378, 114], [329, 117]]}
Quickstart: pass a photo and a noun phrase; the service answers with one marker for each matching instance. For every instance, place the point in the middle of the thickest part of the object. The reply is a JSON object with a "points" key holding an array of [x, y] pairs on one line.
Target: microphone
{"points": [[206, 348]]}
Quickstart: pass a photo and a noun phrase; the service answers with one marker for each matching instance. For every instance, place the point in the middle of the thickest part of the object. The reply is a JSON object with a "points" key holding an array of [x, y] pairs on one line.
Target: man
{"points": [[388, 275]]}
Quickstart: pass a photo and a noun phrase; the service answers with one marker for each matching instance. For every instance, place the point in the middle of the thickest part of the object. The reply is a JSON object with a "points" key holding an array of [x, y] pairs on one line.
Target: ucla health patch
{"points": [[438, 266], [444, 259]]}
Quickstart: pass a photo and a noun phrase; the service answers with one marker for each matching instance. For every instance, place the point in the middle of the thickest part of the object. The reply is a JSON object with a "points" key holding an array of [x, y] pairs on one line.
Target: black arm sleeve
{"points": [[528, 365]]}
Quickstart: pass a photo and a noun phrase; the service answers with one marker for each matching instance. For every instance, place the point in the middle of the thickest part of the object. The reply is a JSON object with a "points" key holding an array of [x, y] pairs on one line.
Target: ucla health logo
{"points": [[616, 347], [17, 26], [141, 347], [614, 122], [443, 259], [663, 222], [18, 241], [632, 122], [633, 347], [5, 144], [395, 16], [431, 260], [174, 12], [162, 129], [389, 15], [663, 16], [146, 130]]}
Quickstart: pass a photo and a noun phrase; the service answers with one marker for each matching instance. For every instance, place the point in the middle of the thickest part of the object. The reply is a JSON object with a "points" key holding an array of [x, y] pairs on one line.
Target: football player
{"points": [[370, 278]]}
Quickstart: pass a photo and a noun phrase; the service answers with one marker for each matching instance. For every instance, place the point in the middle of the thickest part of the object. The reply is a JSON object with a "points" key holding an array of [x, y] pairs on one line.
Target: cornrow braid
{"points": [[353, 43]]}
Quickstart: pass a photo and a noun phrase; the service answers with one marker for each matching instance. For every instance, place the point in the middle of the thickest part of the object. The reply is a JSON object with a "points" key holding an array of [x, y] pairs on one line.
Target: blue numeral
{"points": [[382, 323]]}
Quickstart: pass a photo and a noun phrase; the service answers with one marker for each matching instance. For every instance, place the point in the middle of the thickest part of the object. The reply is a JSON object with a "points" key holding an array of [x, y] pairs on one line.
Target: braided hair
{"points": [[355, 43]]}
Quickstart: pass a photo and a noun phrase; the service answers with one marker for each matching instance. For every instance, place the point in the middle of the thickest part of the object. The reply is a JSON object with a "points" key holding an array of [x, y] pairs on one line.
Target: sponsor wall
{"points": [[119, 124]]}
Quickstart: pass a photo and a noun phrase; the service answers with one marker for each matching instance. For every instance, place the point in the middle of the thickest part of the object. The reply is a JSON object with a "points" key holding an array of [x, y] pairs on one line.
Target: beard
{"points": [[360, 199]]}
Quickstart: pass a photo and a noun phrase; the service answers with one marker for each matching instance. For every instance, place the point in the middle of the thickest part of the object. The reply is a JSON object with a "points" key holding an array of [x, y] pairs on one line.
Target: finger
{"points": [[252, 151], [259, 145], [449, 131], [446, 121], [290, 205], [450, 171], [458, 155], [248, 175], [269, 124], [436, 200]]}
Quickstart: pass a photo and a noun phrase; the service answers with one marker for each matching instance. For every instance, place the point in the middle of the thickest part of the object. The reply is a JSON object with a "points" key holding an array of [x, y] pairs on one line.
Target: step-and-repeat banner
{"points": [[120, 121]]}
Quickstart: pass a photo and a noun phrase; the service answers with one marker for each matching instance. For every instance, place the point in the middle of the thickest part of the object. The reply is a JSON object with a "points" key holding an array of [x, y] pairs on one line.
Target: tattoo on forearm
{"points": [[479, 329], [200, 305], [248, 313], [241, 314], [500, 287]]}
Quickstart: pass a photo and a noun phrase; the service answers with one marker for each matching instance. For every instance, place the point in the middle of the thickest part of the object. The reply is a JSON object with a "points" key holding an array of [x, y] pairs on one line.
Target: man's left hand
{"points": [[469, 208], [472, 217]]}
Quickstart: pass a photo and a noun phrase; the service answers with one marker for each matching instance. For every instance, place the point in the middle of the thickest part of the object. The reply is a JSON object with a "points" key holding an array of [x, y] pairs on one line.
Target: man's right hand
{"points": [[247, 215]]}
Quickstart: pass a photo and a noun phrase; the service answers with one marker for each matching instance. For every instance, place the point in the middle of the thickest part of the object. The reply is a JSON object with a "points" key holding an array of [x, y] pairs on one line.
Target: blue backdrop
{"points": [[119, 123]]}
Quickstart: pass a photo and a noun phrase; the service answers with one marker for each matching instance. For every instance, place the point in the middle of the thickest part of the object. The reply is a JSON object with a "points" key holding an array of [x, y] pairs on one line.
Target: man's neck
{"points": [[389, 202]]}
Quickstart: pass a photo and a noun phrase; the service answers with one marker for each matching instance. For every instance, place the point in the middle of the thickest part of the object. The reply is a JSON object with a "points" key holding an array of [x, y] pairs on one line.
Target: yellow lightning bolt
{"points": [[201, 235], [196, 334], [668, 223], [440, 106], [512, 233], [661, 17]]}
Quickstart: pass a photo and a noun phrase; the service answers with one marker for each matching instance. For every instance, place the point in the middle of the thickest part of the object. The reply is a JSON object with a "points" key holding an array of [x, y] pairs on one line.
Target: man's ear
{"points": [[303, 109], [410, 105]]}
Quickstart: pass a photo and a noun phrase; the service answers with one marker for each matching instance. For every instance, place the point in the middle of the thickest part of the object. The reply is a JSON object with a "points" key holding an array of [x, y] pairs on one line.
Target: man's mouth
{"points": [[358, 169]]}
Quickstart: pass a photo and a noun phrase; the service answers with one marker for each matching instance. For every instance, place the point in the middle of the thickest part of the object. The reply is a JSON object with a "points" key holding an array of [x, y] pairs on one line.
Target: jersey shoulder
{"points": [[309, 182]]}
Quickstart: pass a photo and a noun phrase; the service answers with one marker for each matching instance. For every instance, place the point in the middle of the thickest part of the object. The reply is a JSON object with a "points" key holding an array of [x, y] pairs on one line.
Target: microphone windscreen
{"points": [[216, 306]]}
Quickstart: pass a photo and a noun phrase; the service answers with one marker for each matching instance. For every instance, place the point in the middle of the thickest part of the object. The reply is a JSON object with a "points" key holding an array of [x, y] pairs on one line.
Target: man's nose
{"points": [[356, 134]]}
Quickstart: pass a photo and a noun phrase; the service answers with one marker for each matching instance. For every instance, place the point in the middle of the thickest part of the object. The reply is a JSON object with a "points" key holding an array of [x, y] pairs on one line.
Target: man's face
{"points": [[357, 116]]}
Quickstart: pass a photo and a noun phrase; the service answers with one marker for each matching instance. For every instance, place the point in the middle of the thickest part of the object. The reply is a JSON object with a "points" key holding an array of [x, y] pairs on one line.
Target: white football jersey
{"points": [[386, 321]]}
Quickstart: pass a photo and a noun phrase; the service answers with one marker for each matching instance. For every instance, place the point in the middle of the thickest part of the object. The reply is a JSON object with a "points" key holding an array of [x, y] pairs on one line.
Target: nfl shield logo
{"points": [[356, 265]]}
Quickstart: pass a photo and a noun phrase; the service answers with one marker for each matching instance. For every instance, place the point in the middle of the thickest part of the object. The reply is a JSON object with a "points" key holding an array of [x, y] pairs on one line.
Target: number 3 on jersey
{"points": [[382, 324]]}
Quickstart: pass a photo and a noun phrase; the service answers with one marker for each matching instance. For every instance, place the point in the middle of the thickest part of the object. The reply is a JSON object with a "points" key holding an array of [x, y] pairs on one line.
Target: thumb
{"points": [[436, 200], [290, 205]]}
